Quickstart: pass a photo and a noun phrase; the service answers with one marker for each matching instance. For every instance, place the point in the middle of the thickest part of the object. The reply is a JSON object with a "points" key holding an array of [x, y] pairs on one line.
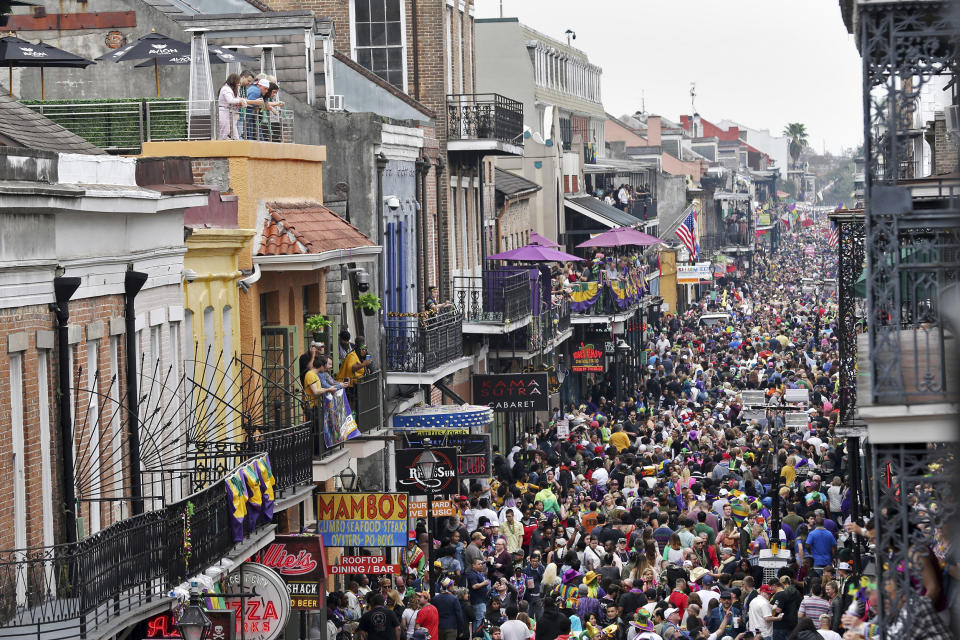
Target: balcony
{"points": [[607, 300], [544, 332], [494, 303], [424, 347], [97, 586], [122, 127], [487, 123]]}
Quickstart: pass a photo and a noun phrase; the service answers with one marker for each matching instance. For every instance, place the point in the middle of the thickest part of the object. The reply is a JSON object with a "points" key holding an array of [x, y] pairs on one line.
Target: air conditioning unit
{"points": [[951, 114], [335, 103]]}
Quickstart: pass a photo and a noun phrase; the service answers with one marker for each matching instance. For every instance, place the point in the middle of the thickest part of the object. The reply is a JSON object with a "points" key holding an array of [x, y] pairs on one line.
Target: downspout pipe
{"points": [[441, 225], [133, 281], [63, 289], [381, 280]]}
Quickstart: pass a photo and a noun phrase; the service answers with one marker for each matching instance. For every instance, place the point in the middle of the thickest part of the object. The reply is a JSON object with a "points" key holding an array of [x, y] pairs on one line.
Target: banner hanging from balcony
{"points": [[583, 295], [362, 519], [587, 359], [250, 491], [428, 471], [337, 419], [447, 415], [509, 392]]}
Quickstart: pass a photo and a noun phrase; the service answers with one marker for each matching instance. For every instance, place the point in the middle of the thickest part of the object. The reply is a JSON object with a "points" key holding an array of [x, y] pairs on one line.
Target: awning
{"points": [[599, 211]]}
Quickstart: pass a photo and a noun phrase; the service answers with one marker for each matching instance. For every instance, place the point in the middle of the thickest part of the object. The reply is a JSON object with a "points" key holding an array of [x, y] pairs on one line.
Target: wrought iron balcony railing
{"points": [[484, 116], [608, 296], [541, 333], [367, 409], [423, 342], [498, 296], [116, 570], [123, 127]]}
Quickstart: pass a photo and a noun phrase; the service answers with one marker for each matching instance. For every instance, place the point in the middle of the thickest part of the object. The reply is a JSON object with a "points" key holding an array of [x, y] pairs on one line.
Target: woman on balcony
{"points": [[229, 104]]}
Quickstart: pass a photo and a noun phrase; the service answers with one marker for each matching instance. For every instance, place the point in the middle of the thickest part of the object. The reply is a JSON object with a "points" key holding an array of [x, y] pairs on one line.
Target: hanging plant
{"points": [[368, 303], [318, 325]]}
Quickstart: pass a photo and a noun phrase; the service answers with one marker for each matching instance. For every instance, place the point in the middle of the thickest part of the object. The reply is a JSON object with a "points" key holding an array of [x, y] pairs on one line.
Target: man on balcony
{"points": [[354, 368], [431, 305]]}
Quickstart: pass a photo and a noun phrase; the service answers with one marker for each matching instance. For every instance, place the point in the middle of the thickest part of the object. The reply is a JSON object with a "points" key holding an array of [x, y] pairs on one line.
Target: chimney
{"points": [[697, 128], [653, 131]]}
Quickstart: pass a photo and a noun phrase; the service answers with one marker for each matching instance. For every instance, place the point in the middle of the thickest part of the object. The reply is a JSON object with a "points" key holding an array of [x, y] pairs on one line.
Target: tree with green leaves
{"points": [[797, 132]]}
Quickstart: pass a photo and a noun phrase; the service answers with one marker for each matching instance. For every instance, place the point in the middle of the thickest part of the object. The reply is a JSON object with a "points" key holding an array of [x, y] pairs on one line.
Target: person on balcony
{"points": [[343, 345], [255, 97], [316, 383], [431, 305], [229, 103], [354, 368]]}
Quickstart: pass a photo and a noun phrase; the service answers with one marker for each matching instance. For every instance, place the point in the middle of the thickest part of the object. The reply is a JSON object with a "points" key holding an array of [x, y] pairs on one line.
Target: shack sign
{"points": [[512, 391], [298, 560], [473, 449], [587, 359], [427, 471]]}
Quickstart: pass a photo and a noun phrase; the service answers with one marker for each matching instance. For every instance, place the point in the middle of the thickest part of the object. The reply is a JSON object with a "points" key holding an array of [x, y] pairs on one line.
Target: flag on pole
{"points": [[687, 232], [834, 238]]}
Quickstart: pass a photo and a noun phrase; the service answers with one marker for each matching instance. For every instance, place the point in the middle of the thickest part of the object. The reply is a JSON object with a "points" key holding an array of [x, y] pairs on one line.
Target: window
{"points": [[566, 133], [378, 38]]}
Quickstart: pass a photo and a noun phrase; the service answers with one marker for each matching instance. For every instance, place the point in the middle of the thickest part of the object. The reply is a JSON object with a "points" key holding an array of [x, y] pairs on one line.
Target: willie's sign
{"points": [[298, 561], [508, 392]]}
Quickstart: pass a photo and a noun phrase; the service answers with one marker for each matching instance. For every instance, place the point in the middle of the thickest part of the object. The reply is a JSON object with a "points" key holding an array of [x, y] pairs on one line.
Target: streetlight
{"points": [[348, 479], [426, 464], [194, 623]]}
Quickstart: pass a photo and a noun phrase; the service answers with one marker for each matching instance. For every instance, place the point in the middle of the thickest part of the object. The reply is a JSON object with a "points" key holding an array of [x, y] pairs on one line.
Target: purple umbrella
{"points": [[535, 253], [536, 238], [619, 237]]}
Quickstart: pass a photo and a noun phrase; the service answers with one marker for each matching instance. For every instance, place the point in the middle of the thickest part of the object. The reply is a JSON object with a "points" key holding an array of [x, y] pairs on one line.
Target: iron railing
{"points": [[424, 341], [608, 296], [123, 127], [116, 570], [540, 334], [367, 409], [288, 450], [498, 296], [484, 116]]}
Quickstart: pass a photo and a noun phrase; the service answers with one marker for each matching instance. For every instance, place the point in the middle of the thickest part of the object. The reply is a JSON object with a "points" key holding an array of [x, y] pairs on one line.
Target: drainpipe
{"points": [[63, 289], [421, 190], [381, 278], [441, 226], [133, 281], [483, 222], [416, 49]]}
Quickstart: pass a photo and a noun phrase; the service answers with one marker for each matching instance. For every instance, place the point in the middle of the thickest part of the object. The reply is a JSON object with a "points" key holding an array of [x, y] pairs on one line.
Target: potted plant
{"points": [[368, 303], [318, 325]]}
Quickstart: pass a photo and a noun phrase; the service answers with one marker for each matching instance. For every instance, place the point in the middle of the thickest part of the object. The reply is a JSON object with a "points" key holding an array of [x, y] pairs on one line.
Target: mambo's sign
{"points": [[362, 519], [365, 565], [512, 391], [587, 359]]}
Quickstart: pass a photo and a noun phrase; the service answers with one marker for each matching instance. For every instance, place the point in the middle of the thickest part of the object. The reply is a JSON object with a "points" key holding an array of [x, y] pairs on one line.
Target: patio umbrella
{"points": [[218, 55], [535, 253], [620, 237], [152, 46], [536, 238], [17, 52]]}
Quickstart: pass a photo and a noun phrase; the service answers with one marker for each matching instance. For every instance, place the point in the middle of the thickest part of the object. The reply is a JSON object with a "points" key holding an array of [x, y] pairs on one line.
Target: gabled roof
{"points": [[21, 126], [306, 227], [377, 80], [511, 185]]}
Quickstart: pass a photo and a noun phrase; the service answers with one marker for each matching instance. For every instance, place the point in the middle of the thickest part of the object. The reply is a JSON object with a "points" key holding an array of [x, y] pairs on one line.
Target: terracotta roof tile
{"points": [[307, 227]]}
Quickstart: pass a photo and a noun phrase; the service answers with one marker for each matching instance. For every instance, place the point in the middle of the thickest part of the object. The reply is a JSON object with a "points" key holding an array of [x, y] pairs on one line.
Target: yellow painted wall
{"points": [[259, 172], [668, 279]]}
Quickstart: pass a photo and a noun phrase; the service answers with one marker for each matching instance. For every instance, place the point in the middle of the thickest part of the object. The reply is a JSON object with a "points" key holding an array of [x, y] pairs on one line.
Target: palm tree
{"points": [[797, 132]]}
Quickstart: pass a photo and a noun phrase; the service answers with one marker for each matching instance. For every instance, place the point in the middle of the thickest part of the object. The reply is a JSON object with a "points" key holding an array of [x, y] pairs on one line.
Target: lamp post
{"points": [[194, 623], [348, 479], [427, 468]]}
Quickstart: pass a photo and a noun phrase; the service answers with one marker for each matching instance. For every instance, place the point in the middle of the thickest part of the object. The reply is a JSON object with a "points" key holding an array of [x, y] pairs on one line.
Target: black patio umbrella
{"points": [[218, 55], [152, 46], [16, 52]]}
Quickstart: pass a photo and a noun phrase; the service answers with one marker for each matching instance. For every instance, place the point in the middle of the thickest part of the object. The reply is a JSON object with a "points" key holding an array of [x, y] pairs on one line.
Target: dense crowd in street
{"points": [[651, 519]]}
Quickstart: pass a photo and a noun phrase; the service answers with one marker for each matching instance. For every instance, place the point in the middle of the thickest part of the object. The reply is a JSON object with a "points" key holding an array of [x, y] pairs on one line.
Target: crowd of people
{"points": [[679, 512], [246, 107]]}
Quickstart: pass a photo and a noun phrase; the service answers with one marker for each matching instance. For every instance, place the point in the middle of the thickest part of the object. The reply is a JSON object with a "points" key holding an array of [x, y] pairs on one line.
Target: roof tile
{"points": [[307, 227]]}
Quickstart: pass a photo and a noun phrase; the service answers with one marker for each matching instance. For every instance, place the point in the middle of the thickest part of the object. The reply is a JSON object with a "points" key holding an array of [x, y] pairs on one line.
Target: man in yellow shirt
{"points": [[788, 473], [355, 364], [619, 438]]}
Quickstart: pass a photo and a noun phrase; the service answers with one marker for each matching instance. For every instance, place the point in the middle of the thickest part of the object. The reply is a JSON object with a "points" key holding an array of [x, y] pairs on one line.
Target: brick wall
{"points": [[213, 172], [945, 150]]}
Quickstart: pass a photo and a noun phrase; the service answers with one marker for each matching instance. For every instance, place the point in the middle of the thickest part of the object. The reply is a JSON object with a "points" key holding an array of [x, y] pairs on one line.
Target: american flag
{"points": [[834, 238], [687, 232]]}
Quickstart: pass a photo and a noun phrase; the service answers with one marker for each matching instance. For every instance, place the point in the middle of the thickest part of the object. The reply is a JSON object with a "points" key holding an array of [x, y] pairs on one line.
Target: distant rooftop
{"points": [[21, 126]]}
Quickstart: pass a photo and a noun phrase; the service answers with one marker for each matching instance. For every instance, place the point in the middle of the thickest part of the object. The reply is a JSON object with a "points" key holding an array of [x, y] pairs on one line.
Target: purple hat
{"points": [[570, 575]]}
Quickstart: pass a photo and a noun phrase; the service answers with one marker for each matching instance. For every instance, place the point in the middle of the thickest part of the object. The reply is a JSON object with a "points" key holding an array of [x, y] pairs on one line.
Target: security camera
{"points": [[363, 281], [393, 202], [189, 275]]}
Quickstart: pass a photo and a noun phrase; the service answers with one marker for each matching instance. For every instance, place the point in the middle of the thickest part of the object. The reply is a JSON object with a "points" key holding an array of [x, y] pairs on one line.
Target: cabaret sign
{"points": [[587, 359], [512, 391]]}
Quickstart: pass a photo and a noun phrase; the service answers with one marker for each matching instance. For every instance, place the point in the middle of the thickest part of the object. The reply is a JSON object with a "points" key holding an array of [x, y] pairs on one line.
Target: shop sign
{"points": [[427, 471], [362, 519], [507, 392], [473, 449], [587, 359], [563, 429], [298, 560], [264, 615], [163, 626], [441, 509], [364, 564], [694, 273]]}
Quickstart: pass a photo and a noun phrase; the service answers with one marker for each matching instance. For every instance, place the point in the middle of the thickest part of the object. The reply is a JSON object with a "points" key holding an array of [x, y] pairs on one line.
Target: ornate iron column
{"points": [[850, 257]]}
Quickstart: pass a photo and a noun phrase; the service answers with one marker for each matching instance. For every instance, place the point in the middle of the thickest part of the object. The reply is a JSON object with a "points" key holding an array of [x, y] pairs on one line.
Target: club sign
{"points": [[423, 472]]}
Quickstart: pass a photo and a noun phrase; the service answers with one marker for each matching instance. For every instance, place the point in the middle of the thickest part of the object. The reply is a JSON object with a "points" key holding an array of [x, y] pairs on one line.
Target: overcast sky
{"points": [[762, 63]]}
